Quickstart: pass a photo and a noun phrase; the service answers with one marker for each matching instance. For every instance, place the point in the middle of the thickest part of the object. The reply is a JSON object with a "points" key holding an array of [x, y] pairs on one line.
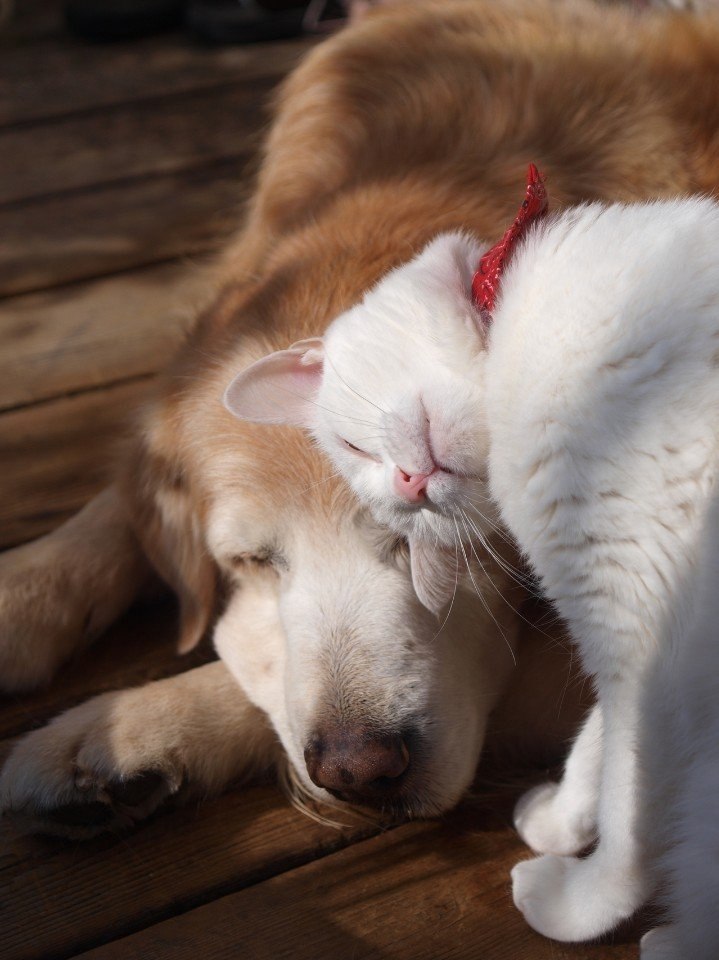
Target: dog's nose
{"points": [[354, 763], [411, 487]]}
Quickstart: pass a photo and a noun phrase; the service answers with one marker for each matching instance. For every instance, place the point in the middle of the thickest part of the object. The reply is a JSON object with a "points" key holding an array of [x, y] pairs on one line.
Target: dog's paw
{"points": [[570, 900], [660, 944], [89, 771], [548, 824]]}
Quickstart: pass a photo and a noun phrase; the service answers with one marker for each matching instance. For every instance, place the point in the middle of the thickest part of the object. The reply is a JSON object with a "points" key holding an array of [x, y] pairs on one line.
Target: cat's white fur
{"points": [[591, 406]]}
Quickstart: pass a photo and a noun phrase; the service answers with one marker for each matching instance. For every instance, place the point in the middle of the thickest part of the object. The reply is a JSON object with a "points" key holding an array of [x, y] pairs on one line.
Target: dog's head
{"points": [[374, 699]]}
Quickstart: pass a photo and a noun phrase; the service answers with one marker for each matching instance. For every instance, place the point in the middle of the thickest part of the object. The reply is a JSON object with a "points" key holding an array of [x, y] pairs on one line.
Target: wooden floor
{"points": [[118, 165]]}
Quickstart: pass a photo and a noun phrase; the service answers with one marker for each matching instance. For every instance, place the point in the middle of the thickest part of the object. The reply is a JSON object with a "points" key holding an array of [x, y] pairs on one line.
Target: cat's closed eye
{"points": [[352, 446], [362, 453]]}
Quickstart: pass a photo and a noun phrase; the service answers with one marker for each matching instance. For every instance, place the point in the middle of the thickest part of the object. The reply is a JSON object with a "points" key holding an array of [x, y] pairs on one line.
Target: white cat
{"points": [[588, 405]]}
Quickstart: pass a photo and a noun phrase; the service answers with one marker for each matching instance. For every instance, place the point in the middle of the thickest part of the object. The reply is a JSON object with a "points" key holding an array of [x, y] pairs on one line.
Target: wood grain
{"points": [[73, 237], [87, 335], [421, 892], [78, 76], [55, 456], [127, 141], [59, 897]]}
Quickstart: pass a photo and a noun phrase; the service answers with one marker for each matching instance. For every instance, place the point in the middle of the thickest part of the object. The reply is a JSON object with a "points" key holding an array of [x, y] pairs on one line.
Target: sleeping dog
{"points": [[418, 119]]}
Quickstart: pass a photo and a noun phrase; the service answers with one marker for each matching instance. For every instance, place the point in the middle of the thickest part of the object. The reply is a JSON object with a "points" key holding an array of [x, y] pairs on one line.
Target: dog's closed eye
{"points": [[263, 557]]}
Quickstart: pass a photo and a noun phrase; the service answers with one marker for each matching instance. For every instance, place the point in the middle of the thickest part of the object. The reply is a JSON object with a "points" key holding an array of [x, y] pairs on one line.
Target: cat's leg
{"points": [[59, 593], [573, 899], [112, 761], [561, 818]]}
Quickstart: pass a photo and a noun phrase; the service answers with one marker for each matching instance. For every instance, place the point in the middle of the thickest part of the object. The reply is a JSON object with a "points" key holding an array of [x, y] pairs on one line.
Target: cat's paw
{"points": [[572, 900], [660, 944], [547, 823], [89, 771]]}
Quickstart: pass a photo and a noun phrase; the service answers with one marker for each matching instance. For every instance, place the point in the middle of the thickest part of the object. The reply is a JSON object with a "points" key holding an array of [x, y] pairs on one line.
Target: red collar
{"points": [[485, 284]]}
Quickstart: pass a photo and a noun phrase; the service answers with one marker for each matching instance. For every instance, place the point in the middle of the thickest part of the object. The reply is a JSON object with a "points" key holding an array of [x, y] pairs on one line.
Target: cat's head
{"points": [[393, 393]]}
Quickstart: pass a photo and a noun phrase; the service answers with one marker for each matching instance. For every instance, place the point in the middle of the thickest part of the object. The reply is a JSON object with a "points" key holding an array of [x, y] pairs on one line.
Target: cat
{"points": [[586, 407]]}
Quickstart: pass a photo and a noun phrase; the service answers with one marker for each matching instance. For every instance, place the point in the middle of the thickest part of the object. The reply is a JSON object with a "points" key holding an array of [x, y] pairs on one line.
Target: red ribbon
{"points": [[485, 284]]}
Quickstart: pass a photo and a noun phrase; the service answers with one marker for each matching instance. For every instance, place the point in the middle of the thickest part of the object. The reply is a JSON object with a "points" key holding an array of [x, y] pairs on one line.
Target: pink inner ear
{"points": [[280, 388]]}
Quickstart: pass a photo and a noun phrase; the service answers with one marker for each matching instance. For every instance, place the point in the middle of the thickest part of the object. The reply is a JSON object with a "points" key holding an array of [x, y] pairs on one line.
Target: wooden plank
{"points": [[81, 235], [420, 892], [77, 76], [150, 137], [59, 898], [56, 455], [86, 335]]}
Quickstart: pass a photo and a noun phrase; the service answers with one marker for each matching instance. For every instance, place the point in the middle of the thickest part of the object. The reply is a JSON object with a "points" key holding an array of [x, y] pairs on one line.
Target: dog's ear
{"points": [[435, 572], [279, 388], [169, 528]]}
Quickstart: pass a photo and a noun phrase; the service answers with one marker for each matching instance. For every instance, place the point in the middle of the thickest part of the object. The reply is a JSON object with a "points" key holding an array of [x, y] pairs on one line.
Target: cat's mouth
{"points": [[445, 483]]}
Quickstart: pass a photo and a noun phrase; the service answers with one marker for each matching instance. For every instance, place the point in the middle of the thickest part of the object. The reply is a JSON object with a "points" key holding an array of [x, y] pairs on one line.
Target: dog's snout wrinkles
{"points": [[354, 763]]}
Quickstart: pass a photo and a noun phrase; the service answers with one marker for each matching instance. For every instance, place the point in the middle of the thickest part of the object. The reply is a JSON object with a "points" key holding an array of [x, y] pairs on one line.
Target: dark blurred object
{"points": [[122, 19], [214, 21], [323, 16], [246, 21]]}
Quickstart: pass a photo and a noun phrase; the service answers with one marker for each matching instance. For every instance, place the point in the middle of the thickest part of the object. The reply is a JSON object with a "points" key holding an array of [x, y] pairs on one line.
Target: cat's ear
{"points": [[279, 388], [435, 571]]}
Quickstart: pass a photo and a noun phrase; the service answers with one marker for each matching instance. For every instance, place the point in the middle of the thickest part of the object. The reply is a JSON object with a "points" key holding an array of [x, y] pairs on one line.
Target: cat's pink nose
{"points": [[411, 487]]}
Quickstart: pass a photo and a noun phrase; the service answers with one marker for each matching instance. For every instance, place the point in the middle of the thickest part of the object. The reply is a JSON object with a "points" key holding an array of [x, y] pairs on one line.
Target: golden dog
{"points": [[418, 119]]}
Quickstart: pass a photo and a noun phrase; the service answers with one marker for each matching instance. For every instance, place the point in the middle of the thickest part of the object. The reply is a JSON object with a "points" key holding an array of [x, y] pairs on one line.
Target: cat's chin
{"points": [[426, 523]]}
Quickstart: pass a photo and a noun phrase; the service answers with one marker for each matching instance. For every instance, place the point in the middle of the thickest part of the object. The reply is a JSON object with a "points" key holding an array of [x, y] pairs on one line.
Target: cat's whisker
{"points": [[535, 625], [550, 619], [454, 592], [467, 523], [486, 573], [407, 333], [316, 483], [335, 413], [499, 530], [496, 529], [480, 595], [524, 576], [352, 389], [518, 576]]}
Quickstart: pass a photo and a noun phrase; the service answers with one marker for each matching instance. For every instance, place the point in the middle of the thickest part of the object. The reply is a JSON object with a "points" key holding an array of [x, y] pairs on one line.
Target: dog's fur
{"points": [[419, 119]]}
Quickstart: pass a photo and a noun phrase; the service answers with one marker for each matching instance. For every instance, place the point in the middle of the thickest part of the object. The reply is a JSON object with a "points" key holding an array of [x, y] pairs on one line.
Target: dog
{"points": [[417, 119]]}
